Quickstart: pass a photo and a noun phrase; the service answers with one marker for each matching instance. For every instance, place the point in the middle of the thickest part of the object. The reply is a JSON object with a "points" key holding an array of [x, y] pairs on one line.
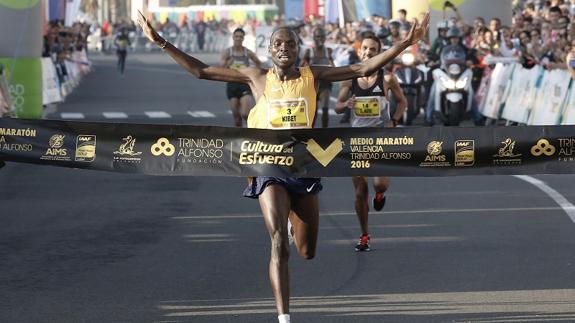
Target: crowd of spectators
{"points": [[542, 32], [61, 42]]}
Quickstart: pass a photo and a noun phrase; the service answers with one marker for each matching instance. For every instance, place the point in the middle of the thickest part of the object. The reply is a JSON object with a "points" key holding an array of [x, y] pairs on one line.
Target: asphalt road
{"points": [[86, 246]]}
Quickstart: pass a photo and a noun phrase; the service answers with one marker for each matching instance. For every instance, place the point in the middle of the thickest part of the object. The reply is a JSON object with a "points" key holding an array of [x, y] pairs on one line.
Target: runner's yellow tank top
{"points": [[285, 105]]}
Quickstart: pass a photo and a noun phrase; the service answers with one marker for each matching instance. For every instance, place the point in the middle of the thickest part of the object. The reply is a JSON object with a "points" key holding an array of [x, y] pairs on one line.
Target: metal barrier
{"points": [[6, 106]]}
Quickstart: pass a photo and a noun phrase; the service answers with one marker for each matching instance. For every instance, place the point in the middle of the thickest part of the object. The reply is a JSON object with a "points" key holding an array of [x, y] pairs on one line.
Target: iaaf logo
{"points": [[85, 148]]}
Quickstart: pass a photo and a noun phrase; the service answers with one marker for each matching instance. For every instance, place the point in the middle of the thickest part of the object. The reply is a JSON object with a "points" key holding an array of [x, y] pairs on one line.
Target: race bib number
{"points": [[367, 107], [237, 65], [288, 113]]}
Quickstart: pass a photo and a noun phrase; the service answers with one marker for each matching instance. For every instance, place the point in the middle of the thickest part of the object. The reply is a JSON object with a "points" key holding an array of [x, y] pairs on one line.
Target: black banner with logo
{"points": [[336, 152]]}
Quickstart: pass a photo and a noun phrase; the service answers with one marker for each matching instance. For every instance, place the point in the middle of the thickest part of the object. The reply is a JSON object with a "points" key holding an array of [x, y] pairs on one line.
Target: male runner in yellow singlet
{"points": [[276, 90], [369, 107], [239, 94]]}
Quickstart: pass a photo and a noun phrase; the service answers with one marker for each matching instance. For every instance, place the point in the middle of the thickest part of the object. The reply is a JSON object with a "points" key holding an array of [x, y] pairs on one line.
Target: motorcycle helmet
{"points": [[383, 33], [453, 32], [394, 23], [442, 25]]}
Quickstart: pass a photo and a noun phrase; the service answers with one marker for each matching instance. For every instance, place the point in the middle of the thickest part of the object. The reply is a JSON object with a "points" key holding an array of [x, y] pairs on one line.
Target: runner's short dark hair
{"points": [[291, 30], [239, 30], [373, 37]]}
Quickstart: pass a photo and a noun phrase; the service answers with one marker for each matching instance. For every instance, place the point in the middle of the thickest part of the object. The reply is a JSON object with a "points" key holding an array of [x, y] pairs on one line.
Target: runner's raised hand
{"points": [[147, 28], [418, 31]]}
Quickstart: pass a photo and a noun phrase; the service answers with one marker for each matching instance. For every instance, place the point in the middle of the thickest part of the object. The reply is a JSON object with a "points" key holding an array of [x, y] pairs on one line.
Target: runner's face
{"points": [[369, 48], [238, 38], [283, 48], [319, 37]]}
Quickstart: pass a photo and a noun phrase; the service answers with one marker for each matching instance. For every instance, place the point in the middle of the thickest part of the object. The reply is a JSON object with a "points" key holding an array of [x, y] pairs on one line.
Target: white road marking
{"points": [[160, 70], [72, 115], [480, 306], [158, 114], [115, 115], [201, 114], [556, 196], [344, 213]]}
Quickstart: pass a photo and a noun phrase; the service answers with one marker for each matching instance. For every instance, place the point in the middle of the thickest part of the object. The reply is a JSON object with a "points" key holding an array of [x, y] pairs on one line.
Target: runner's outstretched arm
{"points": [[374, 64], [198, 68]]}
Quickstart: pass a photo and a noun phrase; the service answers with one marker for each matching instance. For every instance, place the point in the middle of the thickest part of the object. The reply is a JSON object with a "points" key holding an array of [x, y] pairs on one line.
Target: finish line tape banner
{"points": [[336, 152]]}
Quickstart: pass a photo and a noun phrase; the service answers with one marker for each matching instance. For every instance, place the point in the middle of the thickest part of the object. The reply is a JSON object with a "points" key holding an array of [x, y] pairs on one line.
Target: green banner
{"points": [[221, 151], [20, 51], [25, 85]]}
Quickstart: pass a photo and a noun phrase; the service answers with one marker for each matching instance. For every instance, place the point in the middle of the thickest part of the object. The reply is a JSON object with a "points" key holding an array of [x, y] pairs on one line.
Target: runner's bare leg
{"points": [[246, 104], [235, 107], [304, 218], [324, 103], [361, 202], [275, 204]]}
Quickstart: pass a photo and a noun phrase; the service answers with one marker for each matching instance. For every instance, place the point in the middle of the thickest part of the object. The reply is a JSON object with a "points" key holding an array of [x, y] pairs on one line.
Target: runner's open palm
{"points": [[147, 28], [418, 31]]}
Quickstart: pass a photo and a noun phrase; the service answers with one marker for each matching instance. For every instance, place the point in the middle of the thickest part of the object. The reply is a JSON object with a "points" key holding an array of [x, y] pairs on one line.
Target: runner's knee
{"points": [[306, 252], [381, 185]]}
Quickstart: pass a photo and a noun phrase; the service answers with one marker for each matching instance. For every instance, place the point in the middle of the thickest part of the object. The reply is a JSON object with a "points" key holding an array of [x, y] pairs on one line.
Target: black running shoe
{"points": [[363, 243], [378, 201]]}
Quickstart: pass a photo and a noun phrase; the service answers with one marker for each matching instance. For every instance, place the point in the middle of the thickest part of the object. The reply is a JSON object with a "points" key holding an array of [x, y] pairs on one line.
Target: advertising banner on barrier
{"points": [[221, 151], [521, 95], [25, 86], [20, 50], [6, 105], [51, 85], [569, 107], [550, 98], [496, 94]]}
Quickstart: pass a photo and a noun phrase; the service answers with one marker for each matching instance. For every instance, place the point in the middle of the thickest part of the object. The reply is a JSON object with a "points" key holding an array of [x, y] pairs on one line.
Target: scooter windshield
{"points": [[452, 55]]}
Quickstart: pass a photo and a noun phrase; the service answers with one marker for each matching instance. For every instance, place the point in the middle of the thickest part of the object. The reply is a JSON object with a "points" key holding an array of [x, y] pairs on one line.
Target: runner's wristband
{"points": [[163, 46]]}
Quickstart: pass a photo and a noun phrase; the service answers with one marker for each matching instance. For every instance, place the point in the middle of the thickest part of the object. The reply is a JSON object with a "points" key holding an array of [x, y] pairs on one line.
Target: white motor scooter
{"points": [[453, 91]]}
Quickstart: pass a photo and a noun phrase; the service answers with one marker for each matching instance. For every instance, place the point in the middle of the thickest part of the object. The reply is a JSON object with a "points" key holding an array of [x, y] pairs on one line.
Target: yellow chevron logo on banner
{"points": [[324, 157]]}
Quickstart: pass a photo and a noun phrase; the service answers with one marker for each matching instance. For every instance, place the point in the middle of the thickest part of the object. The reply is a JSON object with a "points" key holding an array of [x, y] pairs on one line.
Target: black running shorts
{"points": [[297, 186], [237, 90]]}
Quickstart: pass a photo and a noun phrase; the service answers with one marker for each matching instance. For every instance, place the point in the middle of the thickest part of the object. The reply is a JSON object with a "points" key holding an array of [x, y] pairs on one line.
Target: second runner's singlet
{"points": [[371, 107], [239, 61], [319, 61], [287, 104]]}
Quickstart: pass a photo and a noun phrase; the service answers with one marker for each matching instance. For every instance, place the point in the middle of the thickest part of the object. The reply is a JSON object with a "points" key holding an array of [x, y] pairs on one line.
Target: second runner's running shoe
{"points": [[378, 201], [363, 244]]}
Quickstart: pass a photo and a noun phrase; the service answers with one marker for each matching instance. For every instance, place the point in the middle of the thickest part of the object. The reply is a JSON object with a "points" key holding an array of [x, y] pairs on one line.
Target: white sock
{"points": [[284, 318]]}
